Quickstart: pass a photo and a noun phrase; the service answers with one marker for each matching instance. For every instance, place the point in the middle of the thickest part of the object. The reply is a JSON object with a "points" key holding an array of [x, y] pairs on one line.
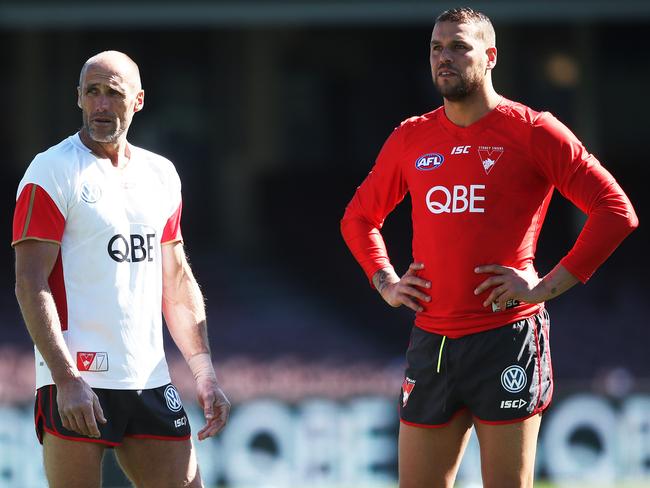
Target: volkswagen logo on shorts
{"points": [[513, 379], [430, 161], [173, 399]]}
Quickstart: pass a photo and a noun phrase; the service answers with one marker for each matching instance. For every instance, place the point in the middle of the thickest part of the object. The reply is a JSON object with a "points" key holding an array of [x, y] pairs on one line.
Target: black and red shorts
{"points": [[501, 375], [156, 413]]}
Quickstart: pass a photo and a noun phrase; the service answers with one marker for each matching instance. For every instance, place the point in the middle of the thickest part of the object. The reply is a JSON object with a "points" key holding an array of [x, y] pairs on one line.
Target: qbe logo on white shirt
{"points": [[459, 199]]}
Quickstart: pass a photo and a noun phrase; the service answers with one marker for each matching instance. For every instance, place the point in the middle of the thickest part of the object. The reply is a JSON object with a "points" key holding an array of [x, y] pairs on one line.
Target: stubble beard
{"points": [[101, 135], [464, 87]]}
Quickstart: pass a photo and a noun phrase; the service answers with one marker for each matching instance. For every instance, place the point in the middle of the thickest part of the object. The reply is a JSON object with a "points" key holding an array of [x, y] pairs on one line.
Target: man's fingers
{"points": [[71, 421], [223, 412], [211, 428], [89, 424], [497, 296], [414, 268], [489, 283], [208, 409], [415, 293], [65, 421], [214, 426], [416, 281], [98, 411], [491, 268], [412, 304], [80, 421]]}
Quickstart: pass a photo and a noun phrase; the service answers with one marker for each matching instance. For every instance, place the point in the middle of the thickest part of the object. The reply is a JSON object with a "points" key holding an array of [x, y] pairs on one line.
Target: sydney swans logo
{"points": [[489, 156]]}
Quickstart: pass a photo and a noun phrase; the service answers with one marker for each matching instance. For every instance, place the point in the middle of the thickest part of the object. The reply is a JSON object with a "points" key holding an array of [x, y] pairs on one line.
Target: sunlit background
{"points": [[273, 113]]}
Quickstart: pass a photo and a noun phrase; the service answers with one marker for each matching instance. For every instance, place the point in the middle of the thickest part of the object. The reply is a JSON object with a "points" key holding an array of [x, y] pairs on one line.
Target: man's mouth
{"points": [[101, 120], [445, 73]]}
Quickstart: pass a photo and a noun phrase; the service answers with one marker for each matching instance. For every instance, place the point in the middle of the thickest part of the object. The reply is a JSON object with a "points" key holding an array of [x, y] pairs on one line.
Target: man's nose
{"points": [[445, 55], [102, 103]]}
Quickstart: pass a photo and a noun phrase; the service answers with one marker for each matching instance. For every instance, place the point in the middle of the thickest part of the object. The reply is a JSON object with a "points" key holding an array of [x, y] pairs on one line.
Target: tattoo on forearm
{"points": [[380, 280], [553, 291]]}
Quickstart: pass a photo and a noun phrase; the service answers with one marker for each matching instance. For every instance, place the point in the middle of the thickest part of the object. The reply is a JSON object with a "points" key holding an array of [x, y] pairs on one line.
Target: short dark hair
{"points": [[467, 15]]}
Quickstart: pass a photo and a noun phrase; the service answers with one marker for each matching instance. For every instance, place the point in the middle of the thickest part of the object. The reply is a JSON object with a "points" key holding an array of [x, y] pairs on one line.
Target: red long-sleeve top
{"points": [[479, 196]]}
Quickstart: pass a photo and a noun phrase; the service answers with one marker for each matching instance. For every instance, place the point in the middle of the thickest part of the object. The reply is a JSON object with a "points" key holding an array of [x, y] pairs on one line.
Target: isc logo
{"points": [[429, 161], [131, 249], [513, 403], [457, 200], [460, 150]]}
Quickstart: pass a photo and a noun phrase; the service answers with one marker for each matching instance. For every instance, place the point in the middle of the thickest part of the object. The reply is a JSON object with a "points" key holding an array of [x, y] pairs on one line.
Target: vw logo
{"points": [[173, 399], [90, 192], [513, 379]]}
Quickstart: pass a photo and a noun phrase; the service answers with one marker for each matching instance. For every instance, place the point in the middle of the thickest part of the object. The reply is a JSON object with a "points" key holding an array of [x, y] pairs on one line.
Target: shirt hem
{"points": [[30, 238], [118, 385], [455, 327]]}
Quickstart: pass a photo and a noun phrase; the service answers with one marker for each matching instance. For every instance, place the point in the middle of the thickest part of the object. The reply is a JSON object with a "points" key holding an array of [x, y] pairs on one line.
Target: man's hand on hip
{"points": [[405, 291]]}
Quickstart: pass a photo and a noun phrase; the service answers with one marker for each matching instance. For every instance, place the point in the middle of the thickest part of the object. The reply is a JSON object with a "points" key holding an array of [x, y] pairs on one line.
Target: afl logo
{"points": [[513, 379], [173, 399], [90, 192], [430, 161]]}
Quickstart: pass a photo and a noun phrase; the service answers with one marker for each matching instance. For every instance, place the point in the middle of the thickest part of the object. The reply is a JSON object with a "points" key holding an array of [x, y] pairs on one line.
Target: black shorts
{"points": [[501, 375], [156, 413]]}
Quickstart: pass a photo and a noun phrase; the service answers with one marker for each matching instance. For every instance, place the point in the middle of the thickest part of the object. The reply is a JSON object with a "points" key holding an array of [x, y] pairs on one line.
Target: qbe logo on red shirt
{"points": [[92, 361]]}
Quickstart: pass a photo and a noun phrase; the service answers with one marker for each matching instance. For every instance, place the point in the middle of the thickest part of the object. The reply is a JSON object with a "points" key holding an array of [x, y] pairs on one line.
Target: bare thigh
{"points": [[72, 464], [508, 453], [430, 457], [153, 463]]}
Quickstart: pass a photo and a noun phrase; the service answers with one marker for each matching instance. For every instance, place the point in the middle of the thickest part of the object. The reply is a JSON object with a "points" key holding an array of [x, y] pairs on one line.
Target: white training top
{"points": [[107, 281]]}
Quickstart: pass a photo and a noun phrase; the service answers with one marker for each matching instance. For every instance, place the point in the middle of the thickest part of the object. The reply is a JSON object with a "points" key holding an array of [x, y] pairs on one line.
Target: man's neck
{"points": [[465, 112], [118, 153]]}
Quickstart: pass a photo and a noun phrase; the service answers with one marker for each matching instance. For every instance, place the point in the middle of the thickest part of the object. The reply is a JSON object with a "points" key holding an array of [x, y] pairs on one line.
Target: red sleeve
{"points": [[36, 216], [172, 230], [377, 196], [580, 177]]}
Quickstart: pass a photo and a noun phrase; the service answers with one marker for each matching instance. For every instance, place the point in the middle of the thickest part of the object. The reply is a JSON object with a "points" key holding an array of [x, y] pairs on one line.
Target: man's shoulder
{"points": [[57, 157], [518, 113], [418, 121], [156, 160]]}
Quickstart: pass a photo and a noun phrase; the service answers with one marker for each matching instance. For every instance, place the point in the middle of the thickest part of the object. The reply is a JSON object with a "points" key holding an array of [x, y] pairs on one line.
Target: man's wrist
{"points": [[384, 277], [67, 373], [201, 366]]}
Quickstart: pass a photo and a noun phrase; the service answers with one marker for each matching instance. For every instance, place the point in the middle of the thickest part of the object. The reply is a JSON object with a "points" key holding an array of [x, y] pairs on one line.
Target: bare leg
{"points": [[72, 464], [508, 453], [430, 457], [153, 463]]}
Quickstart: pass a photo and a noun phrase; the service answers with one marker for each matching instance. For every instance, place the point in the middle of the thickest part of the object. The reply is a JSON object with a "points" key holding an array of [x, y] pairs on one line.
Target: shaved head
{"points": [[466, 15], [116, 62], [109, 94]]}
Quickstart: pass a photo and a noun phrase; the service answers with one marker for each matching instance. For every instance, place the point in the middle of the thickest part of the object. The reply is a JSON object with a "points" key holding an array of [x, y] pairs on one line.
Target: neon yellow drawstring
{"points": [[442, 344]]}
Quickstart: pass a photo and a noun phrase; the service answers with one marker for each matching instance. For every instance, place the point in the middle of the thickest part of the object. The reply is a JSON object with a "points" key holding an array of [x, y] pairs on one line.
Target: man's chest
{"points": [[448, 175], [111, 202]]}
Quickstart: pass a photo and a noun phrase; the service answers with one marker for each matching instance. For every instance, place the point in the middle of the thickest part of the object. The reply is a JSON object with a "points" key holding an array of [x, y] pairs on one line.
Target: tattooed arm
{"points": [[405, 291], [512, 284]]}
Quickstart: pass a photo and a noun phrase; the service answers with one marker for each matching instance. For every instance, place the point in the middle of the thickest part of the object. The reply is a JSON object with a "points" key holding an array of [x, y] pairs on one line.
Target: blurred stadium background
{"points": [[273, 112]]}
